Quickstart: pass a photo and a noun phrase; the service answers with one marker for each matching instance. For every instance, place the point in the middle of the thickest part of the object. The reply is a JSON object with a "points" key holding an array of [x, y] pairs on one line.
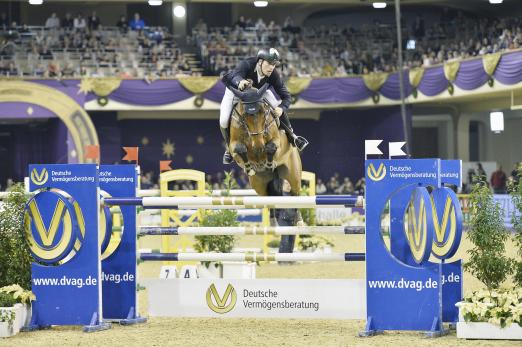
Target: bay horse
{"points": [[263, 151]]}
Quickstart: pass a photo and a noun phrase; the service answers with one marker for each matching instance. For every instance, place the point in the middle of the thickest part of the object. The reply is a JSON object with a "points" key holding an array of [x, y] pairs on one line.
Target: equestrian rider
{"points": [[255, 72]]}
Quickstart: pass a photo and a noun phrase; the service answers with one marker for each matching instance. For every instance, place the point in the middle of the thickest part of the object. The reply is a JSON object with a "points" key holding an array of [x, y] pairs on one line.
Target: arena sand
{"points": [[257, 332]]}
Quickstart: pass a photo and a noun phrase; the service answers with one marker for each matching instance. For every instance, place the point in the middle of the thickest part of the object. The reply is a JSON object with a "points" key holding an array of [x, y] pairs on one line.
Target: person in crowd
{"points": [[320, 188], [346, 187], [94, 21], [122, 24], [481, 174], [79, 22], [68, 21], [4, 21], [137, 23], [52, 22], [498, 181]]}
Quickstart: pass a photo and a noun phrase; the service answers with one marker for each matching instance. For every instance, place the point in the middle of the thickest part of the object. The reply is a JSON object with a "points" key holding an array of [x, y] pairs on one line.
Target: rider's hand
{"points": [[243, 84], [278, 111]]}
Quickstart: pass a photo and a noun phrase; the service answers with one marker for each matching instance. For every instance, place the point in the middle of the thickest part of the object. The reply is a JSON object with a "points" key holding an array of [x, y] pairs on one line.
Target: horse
{"points": [[264, 152]]}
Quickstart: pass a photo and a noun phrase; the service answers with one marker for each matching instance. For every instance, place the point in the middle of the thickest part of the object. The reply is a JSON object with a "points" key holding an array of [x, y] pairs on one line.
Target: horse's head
{"points": [[254, 115]]}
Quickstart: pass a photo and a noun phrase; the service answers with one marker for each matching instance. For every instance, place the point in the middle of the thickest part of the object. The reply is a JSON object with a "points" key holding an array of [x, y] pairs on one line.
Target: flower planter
{"points": [[8, 330], [26, 312], [487, 331], [481, 330]]}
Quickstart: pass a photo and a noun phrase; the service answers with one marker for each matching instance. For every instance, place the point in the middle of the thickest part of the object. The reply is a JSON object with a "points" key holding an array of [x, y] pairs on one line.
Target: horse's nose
{"points": [[258, 144]]}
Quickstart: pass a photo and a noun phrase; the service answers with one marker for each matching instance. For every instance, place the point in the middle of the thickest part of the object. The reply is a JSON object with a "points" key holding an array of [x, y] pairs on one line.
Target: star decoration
{"points": [[189, 159], [144, 140], [168, 148], [200, 140], [30, 110], [86, 85]]}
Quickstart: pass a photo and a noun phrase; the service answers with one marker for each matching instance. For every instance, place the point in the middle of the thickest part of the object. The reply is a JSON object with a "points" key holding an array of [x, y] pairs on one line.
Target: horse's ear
{"points": [[263, 89], [237, 92]]}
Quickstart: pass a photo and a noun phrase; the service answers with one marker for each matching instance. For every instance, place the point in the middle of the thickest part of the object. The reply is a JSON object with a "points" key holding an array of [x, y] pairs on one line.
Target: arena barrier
{"points": [[235, 203], [404, 290], [252, 257], [253, 230]]}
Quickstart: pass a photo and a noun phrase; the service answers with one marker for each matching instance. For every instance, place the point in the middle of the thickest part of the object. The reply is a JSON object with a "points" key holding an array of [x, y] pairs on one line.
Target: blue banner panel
{"points": [[399, 296], [66, 280], [119, 258]]}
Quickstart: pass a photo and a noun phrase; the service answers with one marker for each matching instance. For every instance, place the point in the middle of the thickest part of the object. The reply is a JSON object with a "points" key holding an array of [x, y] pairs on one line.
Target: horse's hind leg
{"points": [[285, 217]]}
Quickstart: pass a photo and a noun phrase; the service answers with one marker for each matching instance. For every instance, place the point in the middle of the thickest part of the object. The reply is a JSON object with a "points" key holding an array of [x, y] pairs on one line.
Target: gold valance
{"points": [[198, 85], [451, 69], [296, 85], [375, 80], [416, 76], [103, 86], [490, 62]]}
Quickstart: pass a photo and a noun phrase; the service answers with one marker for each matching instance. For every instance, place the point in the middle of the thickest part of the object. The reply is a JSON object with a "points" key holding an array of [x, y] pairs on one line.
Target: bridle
{"points": [[241, 119]]}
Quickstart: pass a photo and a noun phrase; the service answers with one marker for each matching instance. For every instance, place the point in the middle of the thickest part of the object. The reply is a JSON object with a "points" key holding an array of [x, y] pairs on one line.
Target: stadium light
{"points": [[179, 11], [35, 2], [155, 2], [379, 5], [494, 2], [496, 121], [260, 3]]}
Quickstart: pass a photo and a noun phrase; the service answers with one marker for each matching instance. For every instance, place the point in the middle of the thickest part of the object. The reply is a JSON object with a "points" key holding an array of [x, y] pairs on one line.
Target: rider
{"points": [[256, 71]]}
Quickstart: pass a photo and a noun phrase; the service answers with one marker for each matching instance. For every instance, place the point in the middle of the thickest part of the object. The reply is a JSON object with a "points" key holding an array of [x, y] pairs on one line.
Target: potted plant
{"points": [[23, 300], [15, 257], [8, 315], [494, 312], [217, 243]]}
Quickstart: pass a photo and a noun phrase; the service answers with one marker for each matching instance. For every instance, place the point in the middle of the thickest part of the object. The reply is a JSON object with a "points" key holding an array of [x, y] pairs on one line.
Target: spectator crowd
{"points": [[75, 46]]}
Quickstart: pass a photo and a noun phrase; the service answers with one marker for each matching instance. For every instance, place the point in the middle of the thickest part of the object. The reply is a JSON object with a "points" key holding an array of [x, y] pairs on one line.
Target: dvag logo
{"points": [[434, 223], [39, 178], [376, 174], [221, 304], [51, 224]]}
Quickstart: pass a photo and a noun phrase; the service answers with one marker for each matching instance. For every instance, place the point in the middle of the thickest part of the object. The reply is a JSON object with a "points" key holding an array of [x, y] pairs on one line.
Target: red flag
{"points": [[131, 153], [165, 165], [92, 152]]}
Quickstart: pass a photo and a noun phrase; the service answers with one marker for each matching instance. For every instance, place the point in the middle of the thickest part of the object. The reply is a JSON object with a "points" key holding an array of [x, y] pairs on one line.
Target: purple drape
{"points": [[509, 69], [336, 90], [139, 92], [215, 93], [391, 88], [433, 82], [471, 75], [69, 87]]}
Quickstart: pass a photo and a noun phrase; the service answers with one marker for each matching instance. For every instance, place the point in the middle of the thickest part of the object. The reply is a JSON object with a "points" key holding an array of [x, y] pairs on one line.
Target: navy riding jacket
{"points": [[247, 70]]}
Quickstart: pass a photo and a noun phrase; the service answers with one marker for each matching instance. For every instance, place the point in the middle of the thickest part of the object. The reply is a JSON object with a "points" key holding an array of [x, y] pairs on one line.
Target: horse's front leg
{"points": [[240, 150], [270, 150]]}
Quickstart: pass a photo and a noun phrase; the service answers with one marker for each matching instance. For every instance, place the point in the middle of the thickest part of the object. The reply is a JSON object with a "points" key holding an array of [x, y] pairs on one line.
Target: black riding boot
{"points": [[227, 157], [297, 141]]}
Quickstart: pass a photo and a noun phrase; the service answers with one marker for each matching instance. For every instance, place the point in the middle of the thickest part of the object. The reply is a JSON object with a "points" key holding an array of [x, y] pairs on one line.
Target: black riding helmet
{"points": [[271, 56]]}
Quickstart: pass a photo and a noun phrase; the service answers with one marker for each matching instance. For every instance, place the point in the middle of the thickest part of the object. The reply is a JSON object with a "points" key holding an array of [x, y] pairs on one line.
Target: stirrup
{"points": [[300, 142], [227, 158]]}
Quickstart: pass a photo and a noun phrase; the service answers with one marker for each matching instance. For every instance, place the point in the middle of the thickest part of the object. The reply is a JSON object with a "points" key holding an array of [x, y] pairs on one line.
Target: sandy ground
{"points": [[259, 332]]}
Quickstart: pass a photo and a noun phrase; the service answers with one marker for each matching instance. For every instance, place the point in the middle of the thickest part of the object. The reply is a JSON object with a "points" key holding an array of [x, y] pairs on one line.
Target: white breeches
{"points": [[227, 103]]}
